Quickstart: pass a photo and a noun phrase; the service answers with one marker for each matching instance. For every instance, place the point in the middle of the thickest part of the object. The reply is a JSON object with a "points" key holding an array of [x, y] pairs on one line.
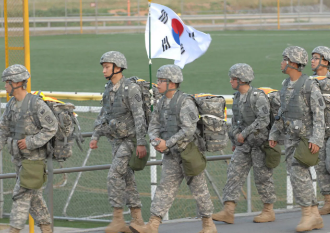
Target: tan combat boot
{"points": [[318, 220], [267, 214], [227, 214], [118, 224], [150, 227], [46, 228], [14, 230], [326, 208], [136, 216], [208, 226]]}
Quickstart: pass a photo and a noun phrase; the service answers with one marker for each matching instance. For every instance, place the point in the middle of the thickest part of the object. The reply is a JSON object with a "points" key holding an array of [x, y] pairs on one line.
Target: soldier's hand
{"points": [[314, 148], [162, 145], [141, 151], [272, 143], [93, 144], [21, 144], [240, 138], [233, 148]]}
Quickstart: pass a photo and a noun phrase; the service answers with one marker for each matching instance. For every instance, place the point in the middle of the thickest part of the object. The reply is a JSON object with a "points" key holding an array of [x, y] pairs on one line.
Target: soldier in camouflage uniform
{"points": [[171, 136], [249, 132], [320, 65], [301, 117], [122, 120], [26, 143]]}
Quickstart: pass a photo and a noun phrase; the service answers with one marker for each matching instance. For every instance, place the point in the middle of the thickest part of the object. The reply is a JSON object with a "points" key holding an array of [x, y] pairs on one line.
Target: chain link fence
{"points": [[89, 197]]}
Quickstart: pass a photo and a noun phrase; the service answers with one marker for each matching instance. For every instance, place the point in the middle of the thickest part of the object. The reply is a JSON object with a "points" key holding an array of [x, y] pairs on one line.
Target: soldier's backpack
{"points": [[60, 146], [212, 123], [149, 97], [274, 102]]}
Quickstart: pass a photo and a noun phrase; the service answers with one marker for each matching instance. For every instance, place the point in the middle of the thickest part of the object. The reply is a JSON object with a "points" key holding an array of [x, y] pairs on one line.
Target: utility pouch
{"points": [[137, 164], [33, 174], [304, 155], [193, 161], [273, 155]]}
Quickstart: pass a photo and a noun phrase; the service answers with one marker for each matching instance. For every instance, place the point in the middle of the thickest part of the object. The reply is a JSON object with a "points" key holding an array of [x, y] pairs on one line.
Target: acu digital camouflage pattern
{"points": [[241, 71], [323, 51], [311, 126], [296, 55], [172, 172], [212, 122], [171, 72], [16, 73], [114, 57], [121, 182], [249, 154], [28, 201]]}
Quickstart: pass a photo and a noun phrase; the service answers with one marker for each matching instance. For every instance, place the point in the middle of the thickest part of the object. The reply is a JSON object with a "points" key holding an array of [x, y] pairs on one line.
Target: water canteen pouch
{"points": [[193, 161], [212, 123], [273, 155], [137, 164], [33, 174], [304, 155]]}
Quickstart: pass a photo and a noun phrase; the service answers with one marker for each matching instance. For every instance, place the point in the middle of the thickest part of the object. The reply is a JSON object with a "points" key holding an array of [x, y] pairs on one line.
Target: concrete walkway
{"points": [[286, 222]]}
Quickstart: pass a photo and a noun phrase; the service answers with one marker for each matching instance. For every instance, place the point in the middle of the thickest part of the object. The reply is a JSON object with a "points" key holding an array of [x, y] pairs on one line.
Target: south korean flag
{"points": [[172, 39]]}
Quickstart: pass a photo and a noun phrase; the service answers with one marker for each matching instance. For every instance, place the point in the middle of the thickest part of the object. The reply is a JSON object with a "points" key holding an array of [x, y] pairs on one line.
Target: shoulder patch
{"points": [[321, 102], [192, 116], [48, 119], [137, 97], [264, 109]]}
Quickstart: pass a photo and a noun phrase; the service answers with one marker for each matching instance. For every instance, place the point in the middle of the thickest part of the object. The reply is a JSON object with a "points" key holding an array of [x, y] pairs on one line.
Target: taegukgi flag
{"points": [[171, 39]]}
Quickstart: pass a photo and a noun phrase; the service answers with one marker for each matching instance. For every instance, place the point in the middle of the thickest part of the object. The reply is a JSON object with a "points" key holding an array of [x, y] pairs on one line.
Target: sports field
{"points": [[71, 63]]}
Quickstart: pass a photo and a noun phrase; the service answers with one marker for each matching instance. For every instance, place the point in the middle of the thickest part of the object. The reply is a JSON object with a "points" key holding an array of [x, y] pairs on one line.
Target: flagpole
{"points": [[150, 63]]}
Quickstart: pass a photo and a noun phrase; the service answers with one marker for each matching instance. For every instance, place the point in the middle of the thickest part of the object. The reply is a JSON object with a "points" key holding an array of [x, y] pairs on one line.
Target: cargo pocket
{"points": [[32, 174]]}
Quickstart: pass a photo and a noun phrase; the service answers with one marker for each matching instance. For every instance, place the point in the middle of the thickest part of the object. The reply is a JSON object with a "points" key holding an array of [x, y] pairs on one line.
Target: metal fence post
{"points": [[181, 7], [66, 15], [34, 15], [321, 6], [225, 14], [248, 183], [96, 19]]}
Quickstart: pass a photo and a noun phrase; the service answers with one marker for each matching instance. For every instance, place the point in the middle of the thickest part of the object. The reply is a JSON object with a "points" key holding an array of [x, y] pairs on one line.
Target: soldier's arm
{"points": [[97, 133], [317, 107], [154, 125], [188, 119], [4, 129], [136, 106], [48, 129], [262, 120]]}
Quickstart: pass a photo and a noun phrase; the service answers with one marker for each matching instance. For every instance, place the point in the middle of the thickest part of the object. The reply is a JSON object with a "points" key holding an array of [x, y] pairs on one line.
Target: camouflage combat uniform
{"points": [[27, 201], [172, 169], [121, 182], [249, 154], [310, 125]]}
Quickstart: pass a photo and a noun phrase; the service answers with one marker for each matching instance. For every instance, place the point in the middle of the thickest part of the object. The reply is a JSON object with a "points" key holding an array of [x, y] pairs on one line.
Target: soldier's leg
{"points": [[237, 171], [21, 206], [323, 176], [168, 186], [39, 210], [200, 192], [263, 177]]}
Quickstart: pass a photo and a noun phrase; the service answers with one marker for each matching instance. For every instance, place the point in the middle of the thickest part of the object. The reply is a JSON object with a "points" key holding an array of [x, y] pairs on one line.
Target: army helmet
{"points": [[296, 55], [323, 51], [170, 72], [114, 57], [242, 71], [15, 73]]}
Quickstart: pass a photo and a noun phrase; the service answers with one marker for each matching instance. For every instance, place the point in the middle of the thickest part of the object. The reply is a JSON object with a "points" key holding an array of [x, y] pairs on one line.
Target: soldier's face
{"points": [[8, 86], [315, 59], [107, 69], [161, 85], [233, 82]]}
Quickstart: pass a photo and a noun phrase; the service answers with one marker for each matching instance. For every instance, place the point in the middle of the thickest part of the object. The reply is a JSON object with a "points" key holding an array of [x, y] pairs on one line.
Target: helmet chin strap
{"points": [[287, 66], [113, 72], [13, 88], [239, 84], [319, 65], [167, 84]]}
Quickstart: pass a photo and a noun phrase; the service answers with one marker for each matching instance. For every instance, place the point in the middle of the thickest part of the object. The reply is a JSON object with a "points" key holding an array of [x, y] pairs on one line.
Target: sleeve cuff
{"points": [[95, 137], [141, 142], [169, 144], [244, 134], [28, 143]]}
